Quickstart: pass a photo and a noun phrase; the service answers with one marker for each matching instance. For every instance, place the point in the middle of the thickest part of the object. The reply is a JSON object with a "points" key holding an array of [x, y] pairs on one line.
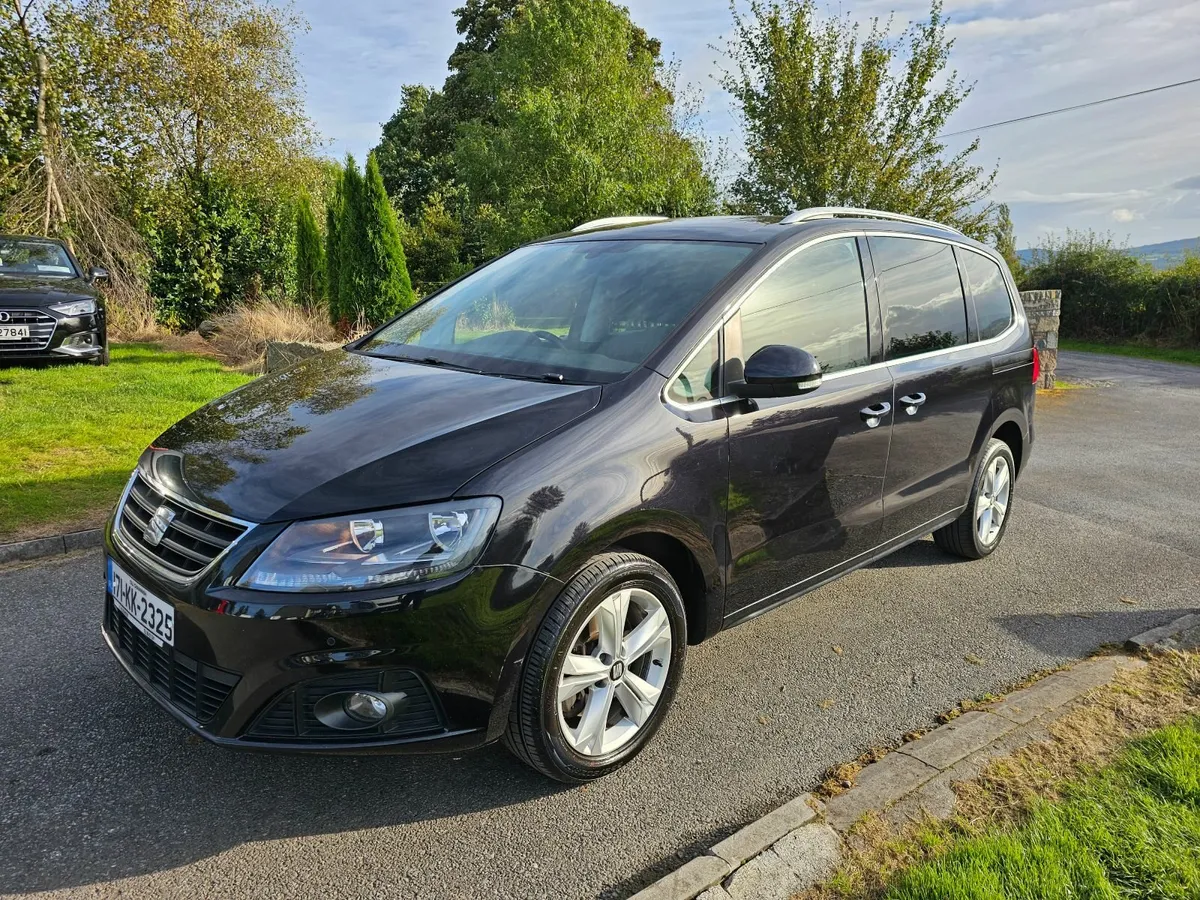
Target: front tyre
{"points": [[602, 670], [979, 530]]}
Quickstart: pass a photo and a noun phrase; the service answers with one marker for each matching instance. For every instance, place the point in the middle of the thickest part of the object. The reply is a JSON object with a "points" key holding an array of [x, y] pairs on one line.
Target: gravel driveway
{"points": [[101, 792]]}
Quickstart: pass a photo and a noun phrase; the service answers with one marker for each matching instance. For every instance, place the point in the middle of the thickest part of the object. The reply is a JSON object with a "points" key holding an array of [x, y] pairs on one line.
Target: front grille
{"points": [[41, 329], [192, 540], [193, 687], [290, 716]]}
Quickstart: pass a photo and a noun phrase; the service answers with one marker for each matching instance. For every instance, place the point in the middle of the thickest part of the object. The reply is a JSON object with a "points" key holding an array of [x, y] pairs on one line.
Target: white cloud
{"points": [[1125, 215]]}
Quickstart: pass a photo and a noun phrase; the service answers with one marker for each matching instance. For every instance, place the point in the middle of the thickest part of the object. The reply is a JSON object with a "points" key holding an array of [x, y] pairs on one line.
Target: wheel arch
{"points": [[1010, 428]]}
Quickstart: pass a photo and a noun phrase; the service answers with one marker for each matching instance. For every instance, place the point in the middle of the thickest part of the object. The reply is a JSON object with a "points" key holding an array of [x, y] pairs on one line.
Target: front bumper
{"points": [[241, 672], [79, 337]]}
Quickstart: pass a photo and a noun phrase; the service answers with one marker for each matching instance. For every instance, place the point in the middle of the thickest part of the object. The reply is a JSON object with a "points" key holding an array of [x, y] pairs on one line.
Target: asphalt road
{"points": [[102, 794]]}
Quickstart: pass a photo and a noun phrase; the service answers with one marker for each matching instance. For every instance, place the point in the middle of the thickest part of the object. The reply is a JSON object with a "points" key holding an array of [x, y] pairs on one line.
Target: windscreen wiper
{"points": [[434, 361]]}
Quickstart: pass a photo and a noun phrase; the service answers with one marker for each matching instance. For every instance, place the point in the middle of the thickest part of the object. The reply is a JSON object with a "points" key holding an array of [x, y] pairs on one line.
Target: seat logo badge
{"points": [[158, 525], [617, 672]]}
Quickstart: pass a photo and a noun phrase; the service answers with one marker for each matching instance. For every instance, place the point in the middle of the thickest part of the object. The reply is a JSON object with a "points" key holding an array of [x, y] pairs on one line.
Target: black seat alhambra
{"points": [[507, 513]]}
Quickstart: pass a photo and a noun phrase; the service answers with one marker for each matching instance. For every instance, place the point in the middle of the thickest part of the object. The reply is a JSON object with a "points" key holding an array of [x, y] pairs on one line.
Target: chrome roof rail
{"points": [[834, 212], [616, 220]]}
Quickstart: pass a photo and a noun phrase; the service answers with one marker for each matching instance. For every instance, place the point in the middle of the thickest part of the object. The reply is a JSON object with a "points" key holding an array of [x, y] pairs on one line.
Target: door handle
{"points": [[911, 402], [872, 415]]}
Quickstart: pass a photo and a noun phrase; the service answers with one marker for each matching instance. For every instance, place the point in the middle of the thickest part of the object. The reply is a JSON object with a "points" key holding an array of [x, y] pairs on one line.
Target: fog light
{"points": [[365, 707], [357, 710], [79, 340]]}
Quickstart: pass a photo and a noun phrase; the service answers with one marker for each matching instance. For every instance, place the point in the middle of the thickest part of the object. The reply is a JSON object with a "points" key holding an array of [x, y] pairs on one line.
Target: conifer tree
{"points": [[387, 289], [310, 254]]}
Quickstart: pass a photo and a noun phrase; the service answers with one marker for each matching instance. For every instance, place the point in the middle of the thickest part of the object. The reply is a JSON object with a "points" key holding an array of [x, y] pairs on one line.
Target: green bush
{"points": [[1109, 295], [215, 243]]}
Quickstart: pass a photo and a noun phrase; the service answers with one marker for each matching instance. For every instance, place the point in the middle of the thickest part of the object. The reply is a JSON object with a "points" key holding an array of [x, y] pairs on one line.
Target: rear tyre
{"points": [[979, 530], [602, 670]]}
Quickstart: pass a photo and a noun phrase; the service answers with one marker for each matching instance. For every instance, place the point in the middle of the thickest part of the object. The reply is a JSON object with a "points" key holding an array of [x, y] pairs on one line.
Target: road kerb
{"points": [[763, 862], [1158, 640], [56, 545]]}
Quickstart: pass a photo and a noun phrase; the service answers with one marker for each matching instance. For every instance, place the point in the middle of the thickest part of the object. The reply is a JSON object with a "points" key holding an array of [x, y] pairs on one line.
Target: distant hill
{"points": [[1161, 256]]}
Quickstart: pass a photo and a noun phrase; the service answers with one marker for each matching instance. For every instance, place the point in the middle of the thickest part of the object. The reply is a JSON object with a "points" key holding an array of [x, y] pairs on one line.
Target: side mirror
{"points": [[95, 273], [777, 370]]}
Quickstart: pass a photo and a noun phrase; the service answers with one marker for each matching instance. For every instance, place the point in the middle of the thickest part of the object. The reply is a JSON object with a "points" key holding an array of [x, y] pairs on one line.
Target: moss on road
{"points": [[71, 434]]}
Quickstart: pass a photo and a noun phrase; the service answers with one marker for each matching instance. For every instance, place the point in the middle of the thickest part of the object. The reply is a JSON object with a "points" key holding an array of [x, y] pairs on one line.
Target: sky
{"points": [[1129, 168]]}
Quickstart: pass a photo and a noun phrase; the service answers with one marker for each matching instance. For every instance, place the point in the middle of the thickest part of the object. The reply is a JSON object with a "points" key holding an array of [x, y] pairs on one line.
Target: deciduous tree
{"points": [[837, 115]]}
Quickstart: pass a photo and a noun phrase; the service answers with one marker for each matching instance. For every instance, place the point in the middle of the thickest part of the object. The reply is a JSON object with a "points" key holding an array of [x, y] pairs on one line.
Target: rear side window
{"points": [[815, 300], [923, 304], [993, 305]]}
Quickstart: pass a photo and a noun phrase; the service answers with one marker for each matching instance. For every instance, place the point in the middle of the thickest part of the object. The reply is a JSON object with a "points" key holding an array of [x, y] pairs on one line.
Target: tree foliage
{"points": [[835, 115], [555, 111], [579, 126], [1004, 239], [386, 286], [310, 254], [368, 275], [173, 129]]}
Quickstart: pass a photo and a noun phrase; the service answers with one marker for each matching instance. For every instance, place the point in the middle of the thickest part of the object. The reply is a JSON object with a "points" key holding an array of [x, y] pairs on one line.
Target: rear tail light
{"points": [[1037, 366]]}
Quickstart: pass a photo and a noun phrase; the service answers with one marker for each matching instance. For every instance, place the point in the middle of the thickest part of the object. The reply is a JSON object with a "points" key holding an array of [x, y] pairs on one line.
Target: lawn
{"points": [[71, 434], [1164, 354], [1132, 829]]}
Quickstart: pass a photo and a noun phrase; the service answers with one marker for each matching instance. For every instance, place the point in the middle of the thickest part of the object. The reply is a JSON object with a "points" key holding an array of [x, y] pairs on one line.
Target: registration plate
{"points": [[151, 616], [13, 332]]}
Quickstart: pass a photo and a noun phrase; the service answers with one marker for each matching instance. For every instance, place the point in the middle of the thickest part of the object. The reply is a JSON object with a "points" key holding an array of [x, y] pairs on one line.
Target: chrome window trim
{"points": [[154, 564], [734, 307]]}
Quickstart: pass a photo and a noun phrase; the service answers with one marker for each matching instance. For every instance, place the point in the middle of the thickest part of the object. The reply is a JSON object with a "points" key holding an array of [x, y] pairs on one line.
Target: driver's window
{"points": [[817, 301]]}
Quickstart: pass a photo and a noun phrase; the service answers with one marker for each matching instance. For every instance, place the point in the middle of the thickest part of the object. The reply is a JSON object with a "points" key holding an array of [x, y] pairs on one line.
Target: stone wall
{"points": [[1043, 309]]}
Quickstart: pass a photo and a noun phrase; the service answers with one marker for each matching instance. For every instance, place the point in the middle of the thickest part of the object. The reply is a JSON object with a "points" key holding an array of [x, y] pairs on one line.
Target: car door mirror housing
{"points": [[95, 273], [778, 370]]}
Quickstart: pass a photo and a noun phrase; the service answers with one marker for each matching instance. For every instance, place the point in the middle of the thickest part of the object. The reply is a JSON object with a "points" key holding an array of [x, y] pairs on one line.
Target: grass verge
{"points": [[1108, 806], [71, 434], [1163, 354]]}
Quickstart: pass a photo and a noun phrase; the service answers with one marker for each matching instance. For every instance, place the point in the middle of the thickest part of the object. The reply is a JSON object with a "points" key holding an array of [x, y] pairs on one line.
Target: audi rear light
{"points": [[1037, 366]]}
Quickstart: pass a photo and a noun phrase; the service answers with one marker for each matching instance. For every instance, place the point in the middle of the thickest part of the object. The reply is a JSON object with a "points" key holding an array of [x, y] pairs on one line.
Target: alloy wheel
{"points": [[992, 504], [611, 680]]}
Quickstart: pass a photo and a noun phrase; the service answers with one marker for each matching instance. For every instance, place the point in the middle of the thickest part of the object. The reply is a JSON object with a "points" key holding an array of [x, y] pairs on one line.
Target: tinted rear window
{"points": [[989, 290], [589, 310], [923, 304]]}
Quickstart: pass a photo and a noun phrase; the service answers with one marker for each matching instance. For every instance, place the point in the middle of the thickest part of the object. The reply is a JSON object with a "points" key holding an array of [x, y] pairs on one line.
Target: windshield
{"points": [[577, 310], [23, 258]]}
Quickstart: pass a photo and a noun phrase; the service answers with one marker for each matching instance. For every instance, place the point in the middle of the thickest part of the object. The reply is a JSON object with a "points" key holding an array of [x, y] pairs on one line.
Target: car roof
{"points": [[755, 230]]}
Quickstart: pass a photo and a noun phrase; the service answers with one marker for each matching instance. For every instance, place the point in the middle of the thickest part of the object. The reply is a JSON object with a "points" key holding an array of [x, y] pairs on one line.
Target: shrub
{"points": [[1108, 294]]}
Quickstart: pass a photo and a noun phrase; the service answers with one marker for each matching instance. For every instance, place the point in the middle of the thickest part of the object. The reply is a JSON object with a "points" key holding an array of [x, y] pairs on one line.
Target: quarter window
{"points": [[993, 305], [815, 300], [924, 307], [698, 380]]}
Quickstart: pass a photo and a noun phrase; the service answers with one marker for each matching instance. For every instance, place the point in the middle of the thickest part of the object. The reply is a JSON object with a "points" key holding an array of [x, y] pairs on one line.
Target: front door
{"points": [[806, 473], [942, 381]]}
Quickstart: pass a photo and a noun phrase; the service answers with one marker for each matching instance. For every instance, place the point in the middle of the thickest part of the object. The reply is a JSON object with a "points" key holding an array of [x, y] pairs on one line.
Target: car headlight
{"points": [[75, 307], [399, 546]]}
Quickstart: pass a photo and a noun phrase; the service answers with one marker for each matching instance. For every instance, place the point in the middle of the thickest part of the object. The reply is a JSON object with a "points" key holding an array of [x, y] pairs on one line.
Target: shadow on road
{"points": [[1079, 633], [922, 554], [160, 798]]}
